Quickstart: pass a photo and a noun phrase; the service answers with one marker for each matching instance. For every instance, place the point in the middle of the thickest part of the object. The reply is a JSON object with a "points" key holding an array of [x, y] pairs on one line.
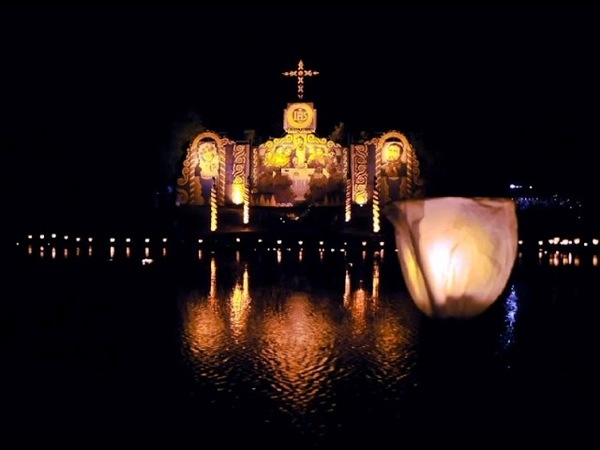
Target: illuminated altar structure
{"points": [[298, 169]]}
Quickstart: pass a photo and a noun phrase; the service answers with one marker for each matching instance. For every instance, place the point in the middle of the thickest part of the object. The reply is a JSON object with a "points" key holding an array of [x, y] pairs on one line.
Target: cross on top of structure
{"points": [[300, 73]]}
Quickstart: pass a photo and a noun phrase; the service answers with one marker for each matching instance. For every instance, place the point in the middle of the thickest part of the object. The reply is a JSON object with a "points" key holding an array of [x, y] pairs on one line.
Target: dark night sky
{"points": [[493, 92]]}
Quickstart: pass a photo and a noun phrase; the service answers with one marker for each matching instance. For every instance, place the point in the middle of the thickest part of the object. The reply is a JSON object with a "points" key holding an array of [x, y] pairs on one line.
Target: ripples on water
{"points": [[305, 338], [286, 349]]}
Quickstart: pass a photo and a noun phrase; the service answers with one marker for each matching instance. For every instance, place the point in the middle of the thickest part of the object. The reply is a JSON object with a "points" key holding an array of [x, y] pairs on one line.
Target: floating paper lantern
{"points": [[456, 253]]}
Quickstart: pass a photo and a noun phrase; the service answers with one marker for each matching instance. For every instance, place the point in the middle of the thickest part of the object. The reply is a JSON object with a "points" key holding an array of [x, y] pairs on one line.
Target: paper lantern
{"points": [[456, 253]]}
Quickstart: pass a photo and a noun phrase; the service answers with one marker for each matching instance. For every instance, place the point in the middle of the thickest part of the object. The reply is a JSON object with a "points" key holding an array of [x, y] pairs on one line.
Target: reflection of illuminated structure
{"points": [[239, 305], [298, 168], [298, 347], [204, 326], [291, 343], [359, 303], [382, 325]]}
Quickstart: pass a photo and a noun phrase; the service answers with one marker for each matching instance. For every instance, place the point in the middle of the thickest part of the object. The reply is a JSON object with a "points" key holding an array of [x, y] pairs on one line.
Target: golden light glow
{"points": [[299, 341], [237, 193], [375, 287], [213, 207], [246, 208], [347, 289], [204, 328], [376, 217], [361, 197], [213, 279], [348, 202], [358, 309], [299, 116], [239, 305], [456, 254]]}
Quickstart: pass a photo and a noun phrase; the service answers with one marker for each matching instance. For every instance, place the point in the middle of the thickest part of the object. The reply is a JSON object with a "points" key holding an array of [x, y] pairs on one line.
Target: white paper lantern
{"points": [[456, 253]]}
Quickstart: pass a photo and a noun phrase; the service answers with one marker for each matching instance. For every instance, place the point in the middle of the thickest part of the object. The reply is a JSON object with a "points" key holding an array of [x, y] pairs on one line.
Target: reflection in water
{"points": [[239, 304], [213, 280], [333, 352], [511, 307], [297, 342], [259, 336], [375, 289], [359, 301], [205, 329]]}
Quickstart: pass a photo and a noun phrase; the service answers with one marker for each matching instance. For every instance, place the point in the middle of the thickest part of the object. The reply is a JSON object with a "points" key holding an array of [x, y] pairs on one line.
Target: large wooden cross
{"points": [[300, 73]]}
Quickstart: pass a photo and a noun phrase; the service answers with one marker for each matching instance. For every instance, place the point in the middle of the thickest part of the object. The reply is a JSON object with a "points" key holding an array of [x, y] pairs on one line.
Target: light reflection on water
{"points": [[295, 345], [324, 343]]}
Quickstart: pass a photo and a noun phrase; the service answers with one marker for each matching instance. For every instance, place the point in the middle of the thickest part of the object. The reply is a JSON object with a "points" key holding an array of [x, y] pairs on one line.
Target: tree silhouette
{"points": [[183, 131]]}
